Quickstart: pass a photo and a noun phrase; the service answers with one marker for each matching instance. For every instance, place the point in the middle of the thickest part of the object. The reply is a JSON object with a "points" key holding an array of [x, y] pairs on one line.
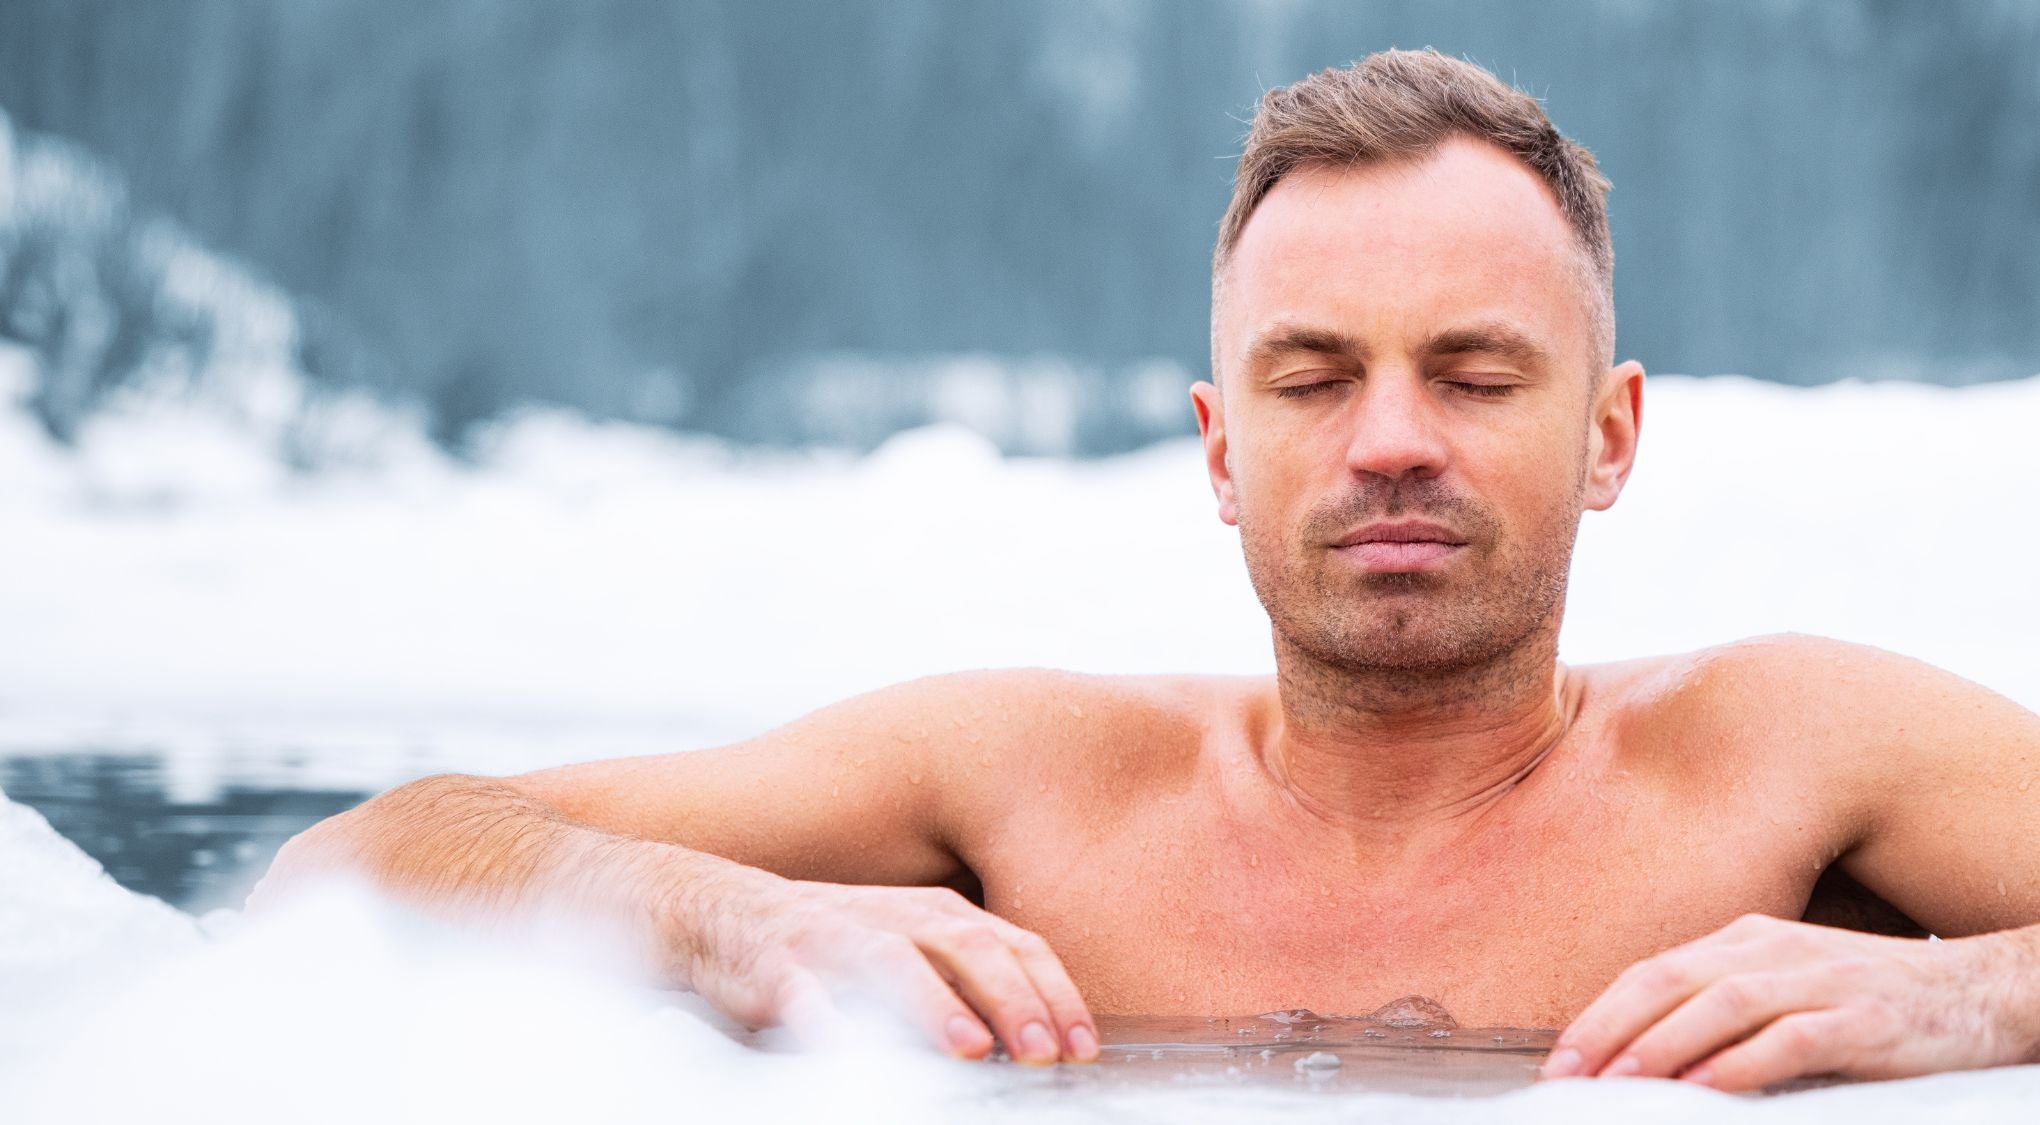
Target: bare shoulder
{"points": [[1925, 775], [1047, 725], [1809, 684], [1846, 714], [893, 785], [1038, 760]]}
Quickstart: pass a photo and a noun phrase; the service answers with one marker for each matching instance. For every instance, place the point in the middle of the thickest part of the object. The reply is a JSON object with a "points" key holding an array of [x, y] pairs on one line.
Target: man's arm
{"points": [[1939, 775], [767, 875]]}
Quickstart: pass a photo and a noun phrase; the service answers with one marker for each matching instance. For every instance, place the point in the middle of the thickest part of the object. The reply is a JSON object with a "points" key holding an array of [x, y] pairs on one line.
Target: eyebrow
{"points": [[1290, 339], [1496, 338]]}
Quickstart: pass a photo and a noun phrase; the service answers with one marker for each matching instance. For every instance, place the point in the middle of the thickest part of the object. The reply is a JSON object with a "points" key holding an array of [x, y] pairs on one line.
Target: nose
{"points": [[1396, 430]]}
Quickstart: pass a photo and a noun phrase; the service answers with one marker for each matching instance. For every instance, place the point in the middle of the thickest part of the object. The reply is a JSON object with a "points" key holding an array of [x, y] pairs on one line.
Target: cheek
{"points": [[1532, 481], [1267, 468]]}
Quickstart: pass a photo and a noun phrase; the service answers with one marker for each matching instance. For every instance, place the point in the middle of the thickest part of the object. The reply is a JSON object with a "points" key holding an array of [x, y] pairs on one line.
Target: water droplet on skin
{"points": [[1253, 861], [2025, 785], [1076, 711], [1441, 1033], [2001, 887]]}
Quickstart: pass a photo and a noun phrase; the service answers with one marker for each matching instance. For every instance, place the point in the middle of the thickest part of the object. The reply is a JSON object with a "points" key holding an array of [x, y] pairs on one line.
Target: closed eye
{"points": [[1305, 390], [1486, 390]]}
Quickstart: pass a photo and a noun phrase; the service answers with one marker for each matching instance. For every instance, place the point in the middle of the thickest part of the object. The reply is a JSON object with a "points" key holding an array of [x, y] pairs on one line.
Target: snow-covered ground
{"points": [[584, 589]]}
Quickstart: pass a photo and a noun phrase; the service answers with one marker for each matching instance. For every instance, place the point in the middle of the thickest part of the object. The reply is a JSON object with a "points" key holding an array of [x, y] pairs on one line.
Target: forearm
{"points": [[479, 850], [2006, 980]]}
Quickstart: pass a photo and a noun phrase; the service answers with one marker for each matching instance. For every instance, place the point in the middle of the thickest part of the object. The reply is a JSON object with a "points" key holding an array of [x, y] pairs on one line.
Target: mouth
{"points": [[1402, 546]]}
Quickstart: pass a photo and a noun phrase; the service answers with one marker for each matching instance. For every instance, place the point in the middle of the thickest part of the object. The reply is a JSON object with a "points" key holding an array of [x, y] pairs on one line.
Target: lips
{"points": [[1400, 545]]}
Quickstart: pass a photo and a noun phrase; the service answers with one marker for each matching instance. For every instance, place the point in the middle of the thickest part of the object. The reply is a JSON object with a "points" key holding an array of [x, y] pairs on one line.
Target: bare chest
{"points": [[1177, 909]]}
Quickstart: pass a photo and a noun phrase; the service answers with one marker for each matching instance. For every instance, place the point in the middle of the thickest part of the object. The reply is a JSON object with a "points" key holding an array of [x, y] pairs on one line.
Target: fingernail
{"points": [[1563, 1063], [1698, 1076], [1083, 1044], [1626, 1065], [1035, 1045], [967, 1035]]}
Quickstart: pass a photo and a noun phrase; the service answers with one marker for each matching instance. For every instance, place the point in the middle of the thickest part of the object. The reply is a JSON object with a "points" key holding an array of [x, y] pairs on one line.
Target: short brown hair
{"points": [[1400, 105]]}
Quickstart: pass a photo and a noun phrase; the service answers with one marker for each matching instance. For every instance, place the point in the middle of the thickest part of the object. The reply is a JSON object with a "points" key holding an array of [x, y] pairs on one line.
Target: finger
{"points": [[1075, 1029], [988, 975], [1794, 1046], [1644, 994], [931, 1003], [804, 1007], [1719, 1015]]}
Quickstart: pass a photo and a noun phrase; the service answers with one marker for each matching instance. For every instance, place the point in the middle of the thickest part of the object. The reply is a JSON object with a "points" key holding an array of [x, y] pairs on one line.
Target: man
{"points": [[1413, 400]]}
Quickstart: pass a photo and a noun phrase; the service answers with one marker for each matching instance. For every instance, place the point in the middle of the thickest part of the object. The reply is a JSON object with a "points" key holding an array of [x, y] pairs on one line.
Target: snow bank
{"points": [[68, 933]]}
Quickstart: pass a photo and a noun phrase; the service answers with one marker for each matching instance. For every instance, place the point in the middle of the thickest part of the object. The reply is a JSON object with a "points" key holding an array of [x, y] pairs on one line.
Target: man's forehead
{"points": [[1465, 230]]}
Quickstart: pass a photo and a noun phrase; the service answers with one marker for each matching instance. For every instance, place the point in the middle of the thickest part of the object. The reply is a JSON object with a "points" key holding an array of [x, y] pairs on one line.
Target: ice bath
{"points": [[474, 685]]}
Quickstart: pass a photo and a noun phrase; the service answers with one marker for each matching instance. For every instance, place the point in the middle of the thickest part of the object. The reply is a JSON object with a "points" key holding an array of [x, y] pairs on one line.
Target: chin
{"points": [[1392, 640]]}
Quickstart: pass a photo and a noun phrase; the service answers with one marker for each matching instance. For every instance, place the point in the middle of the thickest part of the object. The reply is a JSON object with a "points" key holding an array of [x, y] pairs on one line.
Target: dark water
{"points": [[195, 853]]}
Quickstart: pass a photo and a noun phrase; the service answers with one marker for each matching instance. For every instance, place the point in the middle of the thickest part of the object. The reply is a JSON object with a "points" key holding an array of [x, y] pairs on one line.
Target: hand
{"points": [[1763, 1000], [778, 950]]}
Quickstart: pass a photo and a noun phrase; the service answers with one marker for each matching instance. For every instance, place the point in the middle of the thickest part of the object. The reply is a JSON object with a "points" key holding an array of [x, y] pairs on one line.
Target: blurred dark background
{"points": [[822, 220]]}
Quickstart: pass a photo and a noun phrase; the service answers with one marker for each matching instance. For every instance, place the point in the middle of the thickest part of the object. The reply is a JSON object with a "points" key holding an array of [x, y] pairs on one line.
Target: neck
{"points": [[1387, 752]]}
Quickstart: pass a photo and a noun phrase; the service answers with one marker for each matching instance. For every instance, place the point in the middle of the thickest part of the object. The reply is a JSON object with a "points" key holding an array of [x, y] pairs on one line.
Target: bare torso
{"points": [[1173, 875], [1136, 823]]}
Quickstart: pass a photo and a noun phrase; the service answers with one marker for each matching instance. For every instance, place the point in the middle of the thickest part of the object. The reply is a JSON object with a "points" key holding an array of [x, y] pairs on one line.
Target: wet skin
{"points": [[1422, 800], [1128, 821]]}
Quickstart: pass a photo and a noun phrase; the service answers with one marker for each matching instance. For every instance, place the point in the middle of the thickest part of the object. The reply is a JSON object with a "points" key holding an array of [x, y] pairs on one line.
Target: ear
{"points": [[1211, 425], [1612, 432]]}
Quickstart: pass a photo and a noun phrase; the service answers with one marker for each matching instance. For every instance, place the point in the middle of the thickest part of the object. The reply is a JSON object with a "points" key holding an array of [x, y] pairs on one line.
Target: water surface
{"points": [[195, 847]]}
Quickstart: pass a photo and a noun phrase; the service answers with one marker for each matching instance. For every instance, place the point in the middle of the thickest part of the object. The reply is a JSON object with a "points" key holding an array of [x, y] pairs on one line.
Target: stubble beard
{"points": [[1422, 637]]}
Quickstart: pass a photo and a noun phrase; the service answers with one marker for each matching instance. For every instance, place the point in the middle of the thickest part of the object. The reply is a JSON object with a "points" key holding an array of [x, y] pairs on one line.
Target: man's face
{"points": [[1413, 412]]}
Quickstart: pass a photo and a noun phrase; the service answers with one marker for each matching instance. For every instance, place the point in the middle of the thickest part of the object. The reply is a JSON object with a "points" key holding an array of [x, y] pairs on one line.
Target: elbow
{"points": [[346, 845]]}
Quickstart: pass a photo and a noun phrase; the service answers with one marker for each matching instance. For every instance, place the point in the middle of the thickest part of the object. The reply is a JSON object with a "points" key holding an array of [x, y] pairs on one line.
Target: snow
{"points": [[581, 589]]}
